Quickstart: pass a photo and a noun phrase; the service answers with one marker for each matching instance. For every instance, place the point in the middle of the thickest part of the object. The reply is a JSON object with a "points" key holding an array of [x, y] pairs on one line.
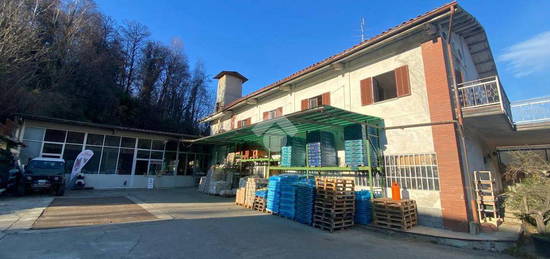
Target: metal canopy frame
{"points": [[318, 118]]}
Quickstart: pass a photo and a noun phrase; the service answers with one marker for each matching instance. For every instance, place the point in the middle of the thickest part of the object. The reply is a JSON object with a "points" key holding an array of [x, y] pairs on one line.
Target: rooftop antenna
{"points": [[362, 29]]}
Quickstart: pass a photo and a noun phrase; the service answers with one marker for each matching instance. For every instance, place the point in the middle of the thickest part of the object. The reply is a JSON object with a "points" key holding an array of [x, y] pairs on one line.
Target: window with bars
{"points": [[412, 171]]}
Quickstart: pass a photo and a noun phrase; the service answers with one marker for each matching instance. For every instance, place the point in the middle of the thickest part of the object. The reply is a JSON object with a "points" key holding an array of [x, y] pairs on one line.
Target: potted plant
{"points": [[530, 195]]}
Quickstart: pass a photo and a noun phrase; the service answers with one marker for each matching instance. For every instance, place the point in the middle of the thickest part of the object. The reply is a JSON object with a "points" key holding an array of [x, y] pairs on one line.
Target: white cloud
{"points": [[529, 56]]}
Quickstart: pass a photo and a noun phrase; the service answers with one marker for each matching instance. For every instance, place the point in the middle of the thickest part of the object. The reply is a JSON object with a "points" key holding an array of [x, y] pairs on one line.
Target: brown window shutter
{"points": [[233, 122], [248, 121], [402, 81], [305, 104], [366, 91], [279, 112], [325, 99], [266, 116]]}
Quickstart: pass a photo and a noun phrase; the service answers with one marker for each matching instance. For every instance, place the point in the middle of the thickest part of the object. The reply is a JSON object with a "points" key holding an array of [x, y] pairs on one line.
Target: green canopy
{"points": [[318, 118]]}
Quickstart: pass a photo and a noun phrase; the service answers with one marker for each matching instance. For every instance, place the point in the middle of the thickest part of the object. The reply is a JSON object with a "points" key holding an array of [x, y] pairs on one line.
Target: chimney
{"points": [[230, 88]]}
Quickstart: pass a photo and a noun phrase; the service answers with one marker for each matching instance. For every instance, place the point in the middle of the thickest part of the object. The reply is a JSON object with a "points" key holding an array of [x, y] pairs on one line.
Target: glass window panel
{"points": [[30, 151], [34, 134], [144, 143], [75, 137], [125, 161], [141, 167], [181, 164], [436, 183], [55, 135], [158, 145], [143, 154], [155, 167], [52, 148], [172, 145], [108, 160], [169, 155], [94, 139], [156, 155], [93, 164], [70, 153], [128, 142], [112, 141], [183, 148]]}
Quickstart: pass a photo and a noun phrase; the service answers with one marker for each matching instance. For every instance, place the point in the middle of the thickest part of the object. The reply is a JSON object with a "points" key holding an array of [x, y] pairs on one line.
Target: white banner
{"points": [[81, 161]]}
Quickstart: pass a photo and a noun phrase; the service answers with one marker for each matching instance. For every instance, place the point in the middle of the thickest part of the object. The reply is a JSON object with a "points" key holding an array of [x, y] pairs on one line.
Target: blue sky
{"points": [[269, 40]]}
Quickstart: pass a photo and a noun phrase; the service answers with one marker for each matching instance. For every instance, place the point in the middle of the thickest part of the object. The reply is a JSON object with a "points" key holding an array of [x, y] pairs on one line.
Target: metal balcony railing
{"points": [[531, 111], [483, 92]]}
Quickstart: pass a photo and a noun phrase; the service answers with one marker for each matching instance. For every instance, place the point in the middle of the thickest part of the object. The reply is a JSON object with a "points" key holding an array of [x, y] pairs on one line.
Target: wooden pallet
{"points": [[332, 226], [395, 214], [259, 204]]}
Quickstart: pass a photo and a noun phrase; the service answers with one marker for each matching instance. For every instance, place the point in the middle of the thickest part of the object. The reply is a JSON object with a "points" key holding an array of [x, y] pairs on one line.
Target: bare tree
{"points": [[134, 36]]}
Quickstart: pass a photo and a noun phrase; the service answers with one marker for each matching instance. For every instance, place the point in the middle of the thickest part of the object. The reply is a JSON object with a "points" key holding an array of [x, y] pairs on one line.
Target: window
{"points": [[30, 151], [244, 123], [70, 153], [316, 101], [273, 114], [75, 137], [142, 167], [94, 139], [52, 149], [109, 160], [125, 161], [144, 143], [412, 171], [158, 145], [55, 135], [385, 86], [128, 142], [92, 166], [112, 141]]}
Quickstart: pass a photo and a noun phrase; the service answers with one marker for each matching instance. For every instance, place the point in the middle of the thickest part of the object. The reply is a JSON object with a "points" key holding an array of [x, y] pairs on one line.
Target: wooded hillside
{"points": [[64, 59]]}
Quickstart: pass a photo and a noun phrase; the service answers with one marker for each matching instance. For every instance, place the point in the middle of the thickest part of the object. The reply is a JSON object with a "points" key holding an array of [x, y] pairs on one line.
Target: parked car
{"points": [[44, 174], [10, 172]]}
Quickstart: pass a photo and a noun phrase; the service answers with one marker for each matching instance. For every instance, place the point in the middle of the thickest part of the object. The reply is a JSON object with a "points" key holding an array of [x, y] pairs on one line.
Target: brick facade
{"points": [[453, 199]]}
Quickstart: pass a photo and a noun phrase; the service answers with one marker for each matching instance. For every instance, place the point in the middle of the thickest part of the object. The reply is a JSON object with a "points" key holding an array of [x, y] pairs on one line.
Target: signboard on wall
{"points": [[150, 183]]}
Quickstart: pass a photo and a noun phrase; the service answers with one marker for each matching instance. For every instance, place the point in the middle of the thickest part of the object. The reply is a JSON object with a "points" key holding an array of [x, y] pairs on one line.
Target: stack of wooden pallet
{"points": [[259, 203], [240, 196], [395, 214], [252, 185], [334, 204]]}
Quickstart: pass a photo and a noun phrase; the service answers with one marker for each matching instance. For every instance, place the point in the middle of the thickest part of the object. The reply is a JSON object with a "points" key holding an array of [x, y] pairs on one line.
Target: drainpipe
{"points": [[470, 202]]}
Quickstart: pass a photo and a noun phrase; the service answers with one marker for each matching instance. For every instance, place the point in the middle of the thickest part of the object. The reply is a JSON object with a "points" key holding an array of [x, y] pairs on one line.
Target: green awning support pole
{"points": [[268, 159], [369, 160]]}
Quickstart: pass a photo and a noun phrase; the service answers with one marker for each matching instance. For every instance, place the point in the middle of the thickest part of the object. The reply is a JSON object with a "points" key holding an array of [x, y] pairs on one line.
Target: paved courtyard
{"points": [[194, 225]]}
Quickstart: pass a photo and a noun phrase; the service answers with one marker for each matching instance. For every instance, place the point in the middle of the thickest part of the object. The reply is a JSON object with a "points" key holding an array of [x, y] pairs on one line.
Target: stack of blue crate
{"points": [[293, 153], [321, 150], [288, 196], [305, 198], [273, 193], [355, 146], [363, 207], [279, 194]]}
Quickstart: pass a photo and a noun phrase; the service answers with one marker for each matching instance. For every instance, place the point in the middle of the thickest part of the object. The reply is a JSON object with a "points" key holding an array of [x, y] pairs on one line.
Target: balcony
{"points": [[484, 97], [532, 113]]}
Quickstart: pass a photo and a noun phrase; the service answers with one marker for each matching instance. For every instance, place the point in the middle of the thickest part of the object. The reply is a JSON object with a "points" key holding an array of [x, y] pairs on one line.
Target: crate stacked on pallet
{"points": [[288, 196], [354, 145], [395, 214], [363, 207], [321, 149], [334, 203], [252, 185], [273, 194], [293, 152], [305, 197]]}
